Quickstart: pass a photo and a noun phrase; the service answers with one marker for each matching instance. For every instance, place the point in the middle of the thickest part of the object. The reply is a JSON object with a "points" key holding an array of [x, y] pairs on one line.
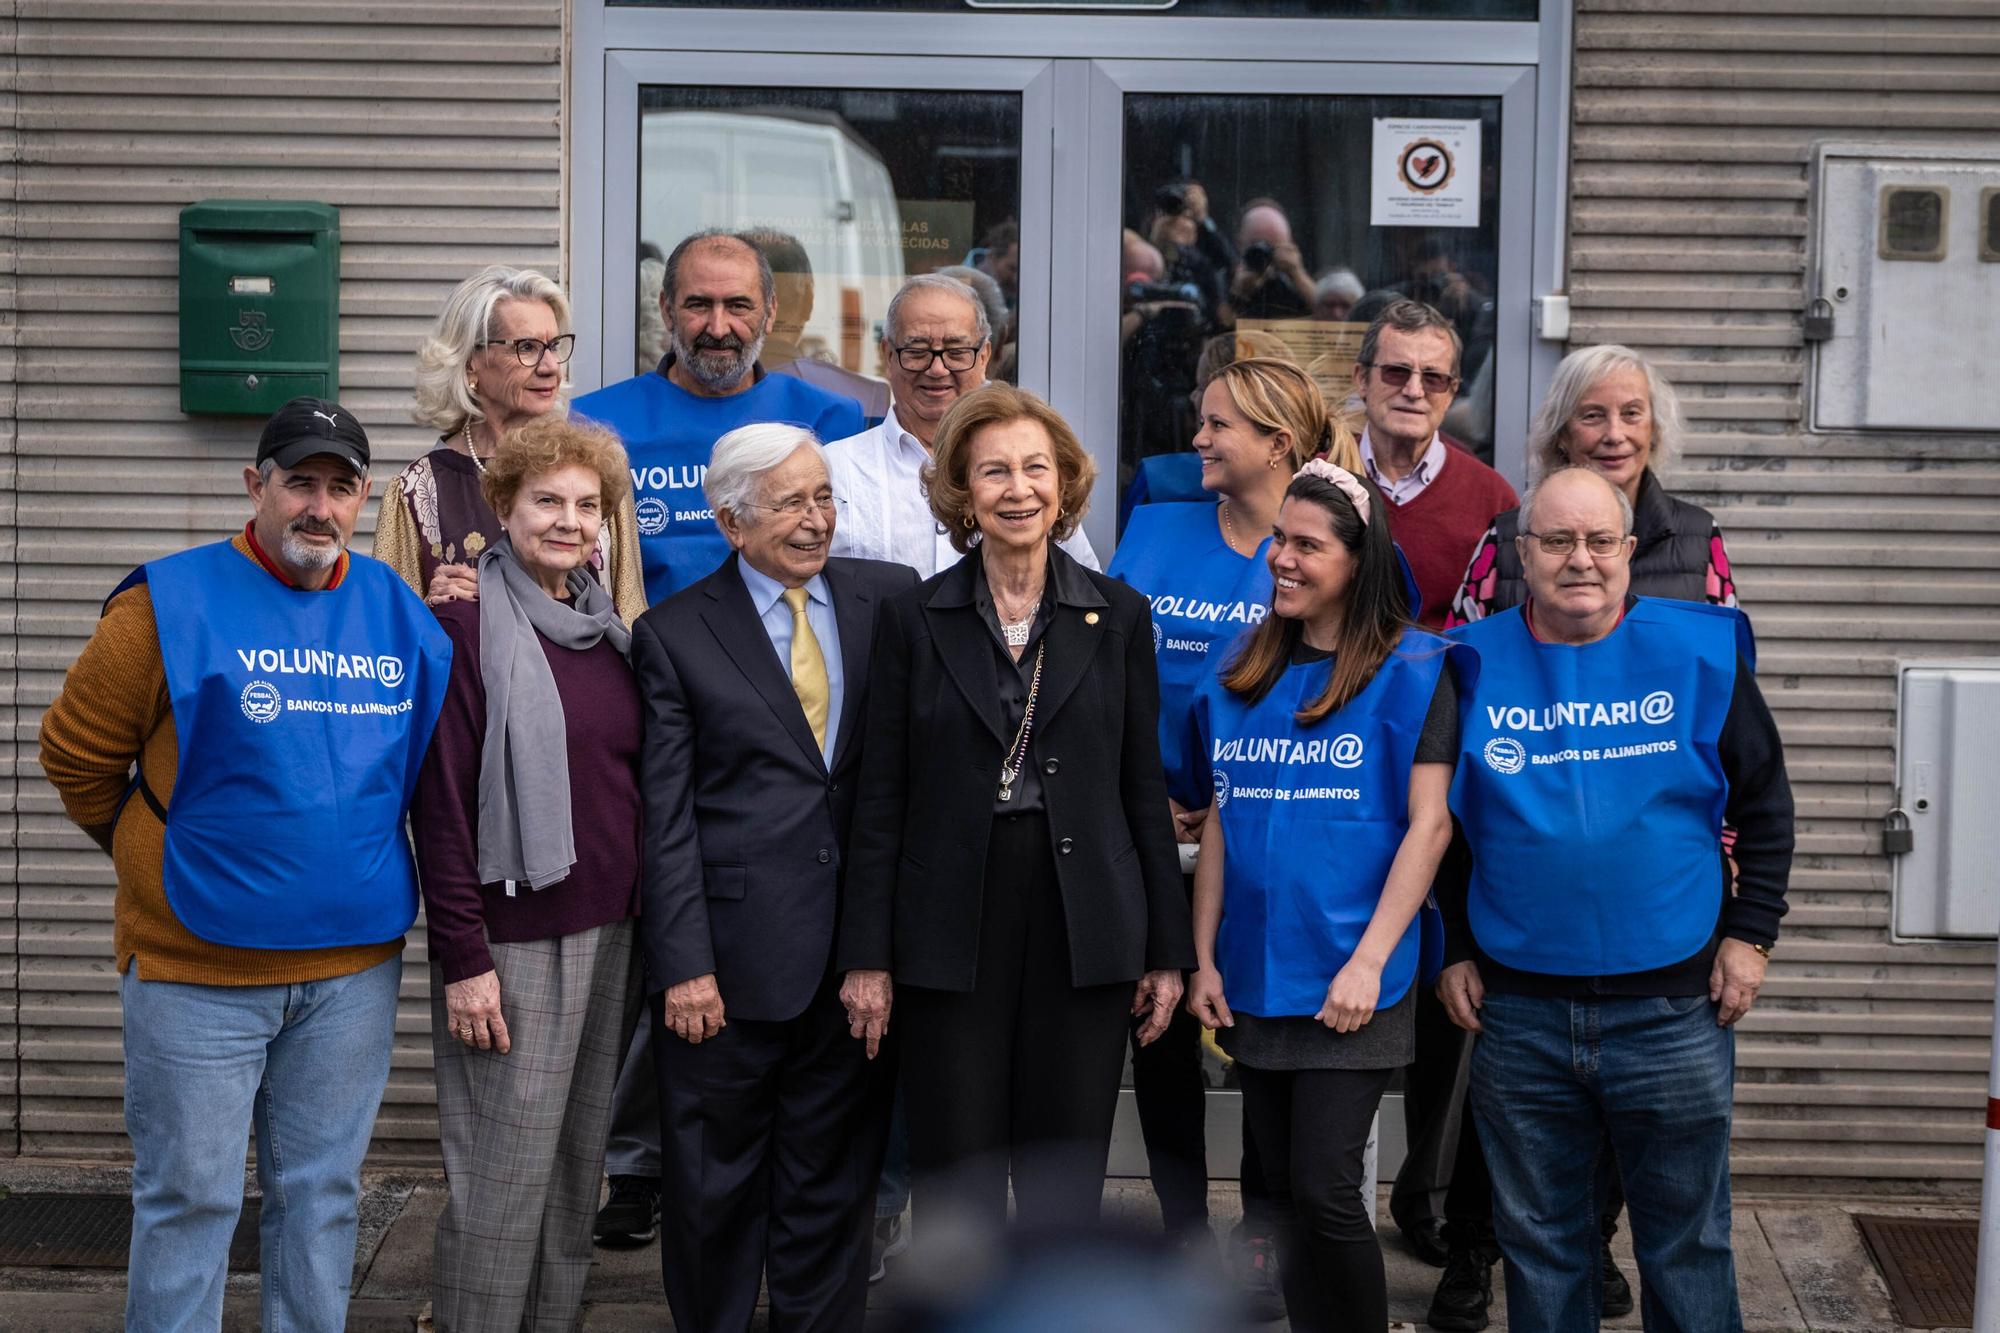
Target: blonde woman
{"points": [[493, 361]]}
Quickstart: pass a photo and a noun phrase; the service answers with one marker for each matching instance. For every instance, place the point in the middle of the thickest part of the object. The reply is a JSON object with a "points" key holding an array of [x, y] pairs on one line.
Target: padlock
{"points": [[1816, 325], [1897, 835]]}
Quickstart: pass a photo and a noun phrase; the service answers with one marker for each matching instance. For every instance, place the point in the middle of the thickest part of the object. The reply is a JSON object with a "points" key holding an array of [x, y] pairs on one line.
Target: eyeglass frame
{"points": [[565, 341], [932, 354], [1396, 376], [796, 507], [1542, 540]]}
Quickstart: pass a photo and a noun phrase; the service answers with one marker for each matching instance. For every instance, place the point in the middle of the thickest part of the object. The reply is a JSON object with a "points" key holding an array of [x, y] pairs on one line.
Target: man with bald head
{"points": [[1600, 946], [719, 300], [1271, 279]]}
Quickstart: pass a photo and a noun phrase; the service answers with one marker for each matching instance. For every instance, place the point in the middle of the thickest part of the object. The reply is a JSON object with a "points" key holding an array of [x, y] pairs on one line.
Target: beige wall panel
{"points": [[436, 129], [1864, 1064]]}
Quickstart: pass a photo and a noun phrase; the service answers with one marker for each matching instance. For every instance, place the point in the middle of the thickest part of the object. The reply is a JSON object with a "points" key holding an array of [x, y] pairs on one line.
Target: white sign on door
{"points": [[1426, 173]]}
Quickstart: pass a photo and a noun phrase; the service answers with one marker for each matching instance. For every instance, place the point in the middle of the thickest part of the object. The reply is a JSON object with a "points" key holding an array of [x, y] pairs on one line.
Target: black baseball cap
{"points": [[308, 426]]}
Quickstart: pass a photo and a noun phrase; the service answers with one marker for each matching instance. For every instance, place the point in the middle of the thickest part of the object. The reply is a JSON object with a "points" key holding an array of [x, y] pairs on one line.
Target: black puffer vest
{"points": [[1671, 560]]}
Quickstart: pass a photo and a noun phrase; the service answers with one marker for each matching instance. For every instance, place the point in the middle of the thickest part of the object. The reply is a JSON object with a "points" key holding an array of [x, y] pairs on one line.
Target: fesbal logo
{"points": [[261, 701], [1504, 754]]}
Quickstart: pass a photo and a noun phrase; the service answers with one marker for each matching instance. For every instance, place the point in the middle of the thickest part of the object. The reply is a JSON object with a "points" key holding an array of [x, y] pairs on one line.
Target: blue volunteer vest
{"points": [[1203, 595], [1591, 791], [1312, 818], [669, 434], [303, 718]]}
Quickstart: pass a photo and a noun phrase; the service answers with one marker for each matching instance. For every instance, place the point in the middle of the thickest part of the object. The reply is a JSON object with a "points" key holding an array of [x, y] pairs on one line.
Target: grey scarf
{"points": [[524, 824]]}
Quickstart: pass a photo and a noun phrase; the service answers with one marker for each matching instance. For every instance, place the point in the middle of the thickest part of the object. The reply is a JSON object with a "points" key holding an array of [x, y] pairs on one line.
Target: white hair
{"points": [[1573, 378], [743, 456], [443, 401], [936, 282], [1527, 522], [988, 291], [1340, 282]]}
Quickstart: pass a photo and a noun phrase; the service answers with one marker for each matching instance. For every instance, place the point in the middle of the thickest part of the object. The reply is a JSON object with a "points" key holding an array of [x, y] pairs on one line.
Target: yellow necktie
{"points": [[808, 666]]}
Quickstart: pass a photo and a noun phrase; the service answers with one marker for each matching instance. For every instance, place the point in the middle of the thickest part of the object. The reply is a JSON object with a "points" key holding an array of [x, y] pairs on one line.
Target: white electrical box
{"points": [[1947, 886], [1904, 306]]}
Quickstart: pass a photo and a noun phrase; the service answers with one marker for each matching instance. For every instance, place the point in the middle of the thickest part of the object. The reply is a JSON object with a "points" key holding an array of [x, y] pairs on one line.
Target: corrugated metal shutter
{"points": [[436, 128], [1865, 1061]]}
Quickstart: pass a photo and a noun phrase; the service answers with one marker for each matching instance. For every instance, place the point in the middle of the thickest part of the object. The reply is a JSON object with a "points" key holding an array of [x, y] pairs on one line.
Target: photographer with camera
{"points": [[1271, 279]]}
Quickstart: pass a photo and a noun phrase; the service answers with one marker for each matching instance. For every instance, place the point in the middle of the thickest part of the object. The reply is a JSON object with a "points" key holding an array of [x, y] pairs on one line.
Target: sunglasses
{"points": [[1435, 381]]}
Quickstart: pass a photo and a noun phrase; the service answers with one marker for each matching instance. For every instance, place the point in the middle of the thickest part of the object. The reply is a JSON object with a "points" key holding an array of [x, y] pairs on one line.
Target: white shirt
{"points": [[1409, 486], [878, 473]]}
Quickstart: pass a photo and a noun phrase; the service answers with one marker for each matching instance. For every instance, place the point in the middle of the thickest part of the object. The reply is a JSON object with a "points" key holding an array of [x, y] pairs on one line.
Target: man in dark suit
{"points": [[772, 1114]]}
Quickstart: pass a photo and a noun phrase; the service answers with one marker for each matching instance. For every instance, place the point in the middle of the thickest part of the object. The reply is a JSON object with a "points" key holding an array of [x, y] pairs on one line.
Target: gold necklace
{"points": [[470, 450]]}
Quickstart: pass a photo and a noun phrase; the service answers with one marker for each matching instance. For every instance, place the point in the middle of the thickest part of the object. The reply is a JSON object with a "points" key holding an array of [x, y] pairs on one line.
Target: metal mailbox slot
{"points": [[260, 304]]}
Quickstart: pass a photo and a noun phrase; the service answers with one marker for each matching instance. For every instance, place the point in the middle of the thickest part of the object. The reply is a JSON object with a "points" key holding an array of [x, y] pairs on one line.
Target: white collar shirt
{"points": [[884, 515], [1411, 484]]}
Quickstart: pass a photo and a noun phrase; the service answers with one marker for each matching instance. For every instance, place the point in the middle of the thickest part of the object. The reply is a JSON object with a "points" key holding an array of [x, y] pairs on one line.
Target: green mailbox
{"points": [[260, 304]]}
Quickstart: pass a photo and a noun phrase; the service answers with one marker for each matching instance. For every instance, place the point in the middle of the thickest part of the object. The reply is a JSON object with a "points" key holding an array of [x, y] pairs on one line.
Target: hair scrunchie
{"points": [[1343, 481]]}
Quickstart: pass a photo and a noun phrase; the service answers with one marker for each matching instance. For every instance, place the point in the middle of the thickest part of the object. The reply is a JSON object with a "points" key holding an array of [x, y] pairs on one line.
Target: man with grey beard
{"points": [[275, 694], [718, 297]]}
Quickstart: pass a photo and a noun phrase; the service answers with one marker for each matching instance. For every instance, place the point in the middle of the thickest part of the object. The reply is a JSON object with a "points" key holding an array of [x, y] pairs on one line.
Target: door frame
{"points": [[612, 44]]}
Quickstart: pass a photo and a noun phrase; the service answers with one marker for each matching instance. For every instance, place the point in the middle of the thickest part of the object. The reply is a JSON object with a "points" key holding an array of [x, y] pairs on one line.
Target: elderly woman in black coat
{"points": [[1012, 866]]}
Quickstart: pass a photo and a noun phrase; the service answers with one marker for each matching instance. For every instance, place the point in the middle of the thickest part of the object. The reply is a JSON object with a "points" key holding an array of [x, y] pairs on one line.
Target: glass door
{"points": [[1233, 210], [852, 174], [1270, 210]]}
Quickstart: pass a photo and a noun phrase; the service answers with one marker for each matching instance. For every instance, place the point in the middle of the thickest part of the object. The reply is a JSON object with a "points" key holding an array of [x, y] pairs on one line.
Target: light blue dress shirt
{"points": [[767, 596]]}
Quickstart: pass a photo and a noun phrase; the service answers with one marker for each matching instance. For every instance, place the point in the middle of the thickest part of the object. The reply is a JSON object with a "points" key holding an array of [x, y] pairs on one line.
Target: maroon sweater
{"points": [[600, 703], [1441, 527]]}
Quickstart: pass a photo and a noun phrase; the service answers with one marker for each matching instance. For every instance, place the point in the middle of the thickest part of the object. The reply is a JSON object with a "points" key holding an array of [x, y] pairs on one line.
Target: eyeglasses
{"points": [[916, 358], [796, 506], [1599, 544], [1435, 381], [530, 350]]}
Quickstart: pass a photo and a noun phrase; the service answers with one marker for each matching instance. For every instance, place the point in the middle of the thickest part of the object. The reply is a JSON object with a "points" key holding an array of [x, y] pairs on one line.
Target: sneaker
{"points": [[1617, 1291], [631, 1216], [1254, 1260], [1463, 1294], [891, 1239]]}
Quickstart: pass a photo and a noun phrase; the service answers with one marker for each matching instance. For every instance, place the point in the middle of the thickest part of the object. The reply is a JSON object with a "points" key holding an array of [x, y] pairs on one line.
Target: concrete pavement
{"points": [[1800, 1261]]}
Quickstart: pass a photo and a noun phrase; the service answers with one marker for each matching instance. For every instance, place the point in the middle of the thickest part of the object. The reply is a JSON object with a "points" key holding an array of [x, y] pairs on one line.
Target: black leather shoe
{"points": [[631, 1216], [1463, 1293], [1426, 1238], [1617, 1291]]}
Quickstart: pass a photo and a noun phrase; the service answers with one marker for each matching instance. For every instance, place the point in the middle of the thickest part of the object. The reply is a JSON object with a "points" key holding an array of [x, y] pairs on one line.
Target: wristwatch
{"points": [[1764, 949]]}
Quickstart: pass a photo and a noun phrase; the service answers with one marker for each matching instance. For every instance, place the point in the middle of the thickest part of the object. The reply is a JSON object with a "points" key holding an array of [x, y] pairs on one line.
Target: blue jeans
{"points": [[1550, 1078], [307, 1063]]}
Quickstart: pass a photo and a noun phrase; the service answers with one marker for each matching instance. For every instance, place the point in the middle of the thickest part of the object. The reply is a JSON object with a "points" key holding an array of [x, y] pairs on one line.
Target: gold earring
{"points": [[967, 520]]}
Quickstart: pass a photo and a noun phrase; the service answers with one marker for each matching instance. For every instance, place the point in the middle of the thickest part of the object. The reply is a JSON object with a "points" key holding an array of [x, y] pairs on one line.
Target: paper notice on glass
{"points": [[1325, 348], [1426, 173]]}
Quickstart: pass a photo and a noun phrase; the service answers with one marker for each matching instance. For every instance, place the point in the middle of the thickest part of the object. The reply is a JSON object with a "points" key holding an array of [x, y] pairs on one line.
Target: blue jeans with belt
{"points": [[1552, 1077], [307, 1064]]}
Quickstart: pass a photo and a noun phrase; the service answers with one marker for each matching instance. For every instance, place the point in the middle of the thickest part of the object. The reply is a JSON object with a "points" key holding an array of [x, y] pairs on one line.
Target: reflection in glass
{"points": [[847, 192], [1251, 231]]}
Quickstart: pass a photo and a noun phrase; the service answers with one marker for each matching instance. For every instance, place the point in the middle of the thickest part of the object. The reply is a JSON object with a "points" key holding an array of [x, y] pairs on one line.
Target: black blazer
{"points": [[744, 823], [917, 859]]}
